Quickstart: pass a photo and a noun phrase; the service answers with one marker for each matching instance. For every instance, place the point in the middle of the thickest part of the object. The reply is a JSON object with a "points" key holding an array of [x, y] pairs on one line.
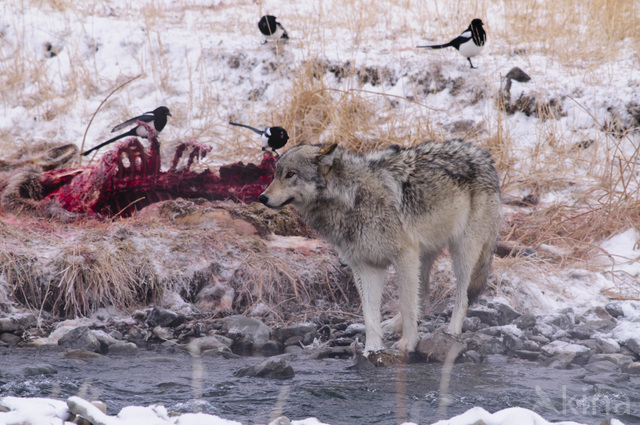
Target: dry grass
{"points": [[74, 269], [552, 28]]}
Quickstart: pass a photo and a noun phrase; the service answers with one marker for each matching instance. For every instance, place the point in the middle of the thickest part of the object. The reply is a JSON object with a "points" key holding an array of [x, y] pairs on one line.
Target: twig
{"points": [[98, 109]]}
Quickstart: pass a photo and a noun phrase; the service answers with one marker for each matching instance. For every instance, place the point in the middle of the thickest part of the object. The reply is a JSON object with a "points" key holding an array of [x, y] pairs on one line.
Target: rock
{"points": [[620, 360], [439, 346], [518, 75], [162, 333], [89, 411], [606, 345], [115, 334], [335, 353], [249, 334], [506, 314], [614, 308], [632, 368], [134, 335], [292, 349], [294, 340], [633, 344], [485, 314], [540, 339], [163, 317], [581, 332], [361, 363], [471, 324], [486, 344], [302, 329], [105, 340], [123, 349], [273, 368], [198, 345], [559, 320], [544, 329], [527, 355], [530, 345], [354, 329], [341, 341], [525, 322], [512, 342], [601, 367], [606, 379], [17, 322], [560, 347], [81, 338], [10, 339], [80, 354], [272, 348], [472, 356], [35, 370], [560, 361], [281, 420]]}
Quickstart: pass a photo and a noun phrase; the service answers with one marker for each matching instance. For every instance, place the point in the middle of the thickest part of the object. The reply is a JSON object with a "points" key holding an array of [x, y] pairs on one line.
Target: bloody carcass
{"points": [[128, 178]]}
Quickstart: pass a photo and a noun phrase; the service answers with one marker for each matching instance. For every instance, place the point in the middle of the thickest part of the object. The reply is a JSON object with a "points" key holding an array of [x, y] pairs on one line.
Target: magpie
{"points": [[271, 137], [470, 43], [271, 28], [157, 117]]}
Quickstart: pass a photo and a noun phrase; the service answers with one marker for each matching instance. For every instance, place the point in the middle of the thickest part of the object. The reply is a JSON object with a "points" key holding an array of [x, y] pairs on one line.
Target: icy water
{"points": [[326, 389]]}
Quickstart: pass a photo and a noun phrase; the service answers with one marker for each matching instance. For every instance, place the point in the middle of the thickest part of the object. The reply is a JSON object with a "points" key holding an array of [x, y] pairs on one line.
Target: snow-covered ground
{"points": [[204, 59]]}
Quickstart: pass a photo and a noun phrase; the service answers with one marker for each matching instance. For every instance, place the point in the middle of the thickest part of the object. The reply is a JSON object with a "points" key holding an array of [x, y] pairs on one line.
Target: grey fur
{"points": [[398, 207]]}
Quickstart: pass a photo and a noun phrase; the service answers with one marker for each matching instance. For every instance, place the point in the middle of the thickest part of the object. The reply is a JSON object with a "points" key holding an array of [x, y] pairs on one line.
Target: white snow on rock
{"points": [[510, 416], [561, 347], [42, 411]]}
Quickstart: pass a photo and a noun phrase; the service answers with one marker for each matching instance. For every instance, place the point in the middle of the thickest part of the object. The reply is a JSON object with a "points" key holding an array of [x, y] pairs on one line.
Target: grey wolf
{"points": [[397, 207], [271, 137], [157, 118], [470, 43]]}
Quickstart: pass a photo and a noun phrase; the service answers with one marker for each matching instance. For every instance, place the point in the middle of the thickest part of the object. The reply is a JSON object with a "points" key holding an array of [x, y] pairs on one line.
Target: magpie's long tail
{"points": [[436, 46], [246, 126], [128, 133]]}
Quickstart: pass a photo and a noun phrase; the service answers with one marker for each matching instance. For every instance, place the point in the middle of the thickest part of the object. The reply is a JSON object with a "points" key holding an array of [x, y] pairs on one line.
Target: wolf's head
{"points": [[300, 173]]}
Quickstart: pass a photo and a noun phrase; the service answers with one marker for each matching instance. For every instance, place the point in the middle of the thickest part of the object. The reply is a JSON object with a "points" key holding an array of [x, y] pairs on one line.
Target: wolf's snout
{"points": [[263, 198]]}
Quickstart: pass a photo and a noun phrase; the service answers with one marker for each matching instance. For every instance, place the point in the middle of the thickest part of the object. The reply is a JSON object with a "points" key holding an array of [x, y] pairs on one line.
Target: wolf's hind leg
{"points": [[464, 255], [408, 276], [370, 281], [427, 258]]}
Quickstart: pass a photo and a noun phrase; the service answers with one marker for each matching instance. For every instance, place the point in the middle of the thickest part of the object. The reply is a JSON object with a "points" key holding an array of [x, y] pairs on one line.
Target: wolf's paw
{"points": [[381, 357]]}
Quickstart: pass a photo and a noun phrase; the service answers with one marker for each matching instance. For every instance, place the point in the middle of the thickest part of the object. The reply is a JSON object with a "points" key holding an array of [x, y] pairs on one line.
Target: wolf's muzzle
{"points": [[263, 198]]}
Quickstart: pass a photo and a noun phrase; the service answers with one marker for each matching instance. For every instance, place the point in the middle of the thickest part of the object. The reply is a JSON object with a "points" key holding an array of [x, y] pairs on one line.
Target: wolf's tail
{"points": [[480, 274]]}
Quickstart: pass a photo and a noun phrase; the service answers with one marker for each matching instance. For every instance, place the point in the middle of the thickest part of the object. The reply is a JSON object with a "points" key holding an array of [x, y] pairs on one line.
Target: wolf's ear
{"points": [[326, 155]]}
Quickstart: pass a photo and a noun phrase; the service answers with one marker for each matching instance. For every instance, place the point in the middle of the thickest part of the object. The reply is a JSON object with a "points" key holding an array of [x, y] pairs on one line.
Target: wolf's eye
{"points": [[290, 174]]}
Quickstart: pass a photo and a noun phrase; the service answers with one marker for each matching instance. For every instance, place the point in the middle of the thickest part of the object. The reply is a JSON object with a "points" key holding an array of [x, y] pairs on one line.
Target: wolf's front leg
{"points": [[370, 281]]}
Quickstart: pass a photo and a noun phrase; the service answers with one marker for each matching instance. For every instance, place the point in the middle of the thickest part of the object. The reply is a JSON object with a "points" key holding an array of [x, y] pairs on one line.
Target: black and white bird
{"points": [[470, 43], [157, 118], [271, 137], [271, 28]]}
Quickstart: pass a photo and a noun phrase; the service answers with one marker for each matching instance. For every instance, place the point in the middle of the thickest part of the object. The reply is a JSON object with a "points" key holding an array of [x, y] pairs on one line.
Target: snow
{"points": [[40, 411], [622, 253]]}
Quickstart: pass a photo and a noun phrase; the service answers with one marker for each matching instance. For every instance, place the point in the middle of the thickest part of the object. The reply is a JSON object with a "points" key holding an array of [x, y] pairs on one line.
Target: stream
{"points": [[329, 389]]}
